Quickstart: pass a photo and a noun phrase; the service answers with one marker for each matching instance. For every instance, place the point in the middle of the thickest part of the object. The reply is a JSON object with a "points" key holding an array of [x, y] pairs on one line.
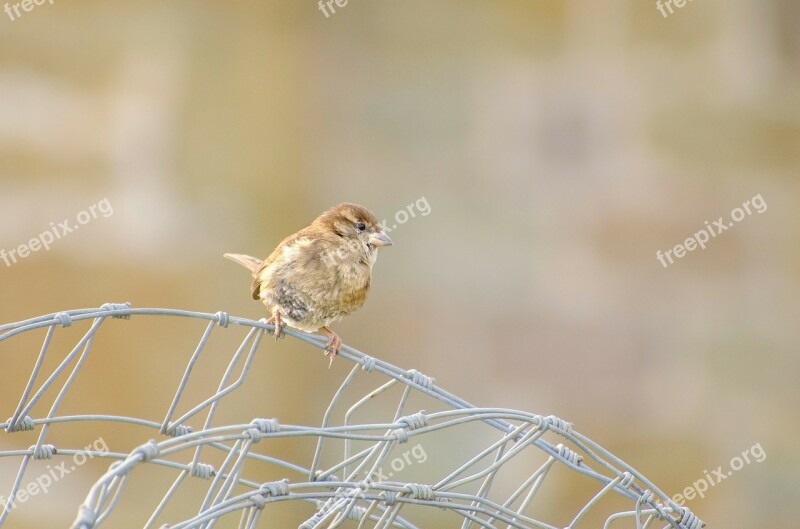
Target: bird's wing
{"points": [[277, 254]]}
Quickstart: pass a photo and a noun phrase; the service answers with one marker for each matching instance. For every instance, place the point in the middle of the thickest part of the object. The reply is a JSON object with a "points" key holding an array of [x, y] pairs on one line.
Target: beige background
{"points": [[559, 145]]}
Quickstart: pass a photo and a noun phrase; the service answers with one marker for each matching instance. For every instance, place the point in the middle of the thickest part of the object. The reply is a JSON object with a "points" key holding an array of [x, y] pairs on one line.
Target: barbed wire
{"points": [[352, 490]]}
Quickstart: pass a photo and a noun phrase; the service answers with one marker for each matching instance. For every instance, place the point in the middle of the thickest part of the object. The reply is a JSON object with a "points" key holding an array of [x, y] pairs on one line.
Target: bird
{"points": [[319, 274]]}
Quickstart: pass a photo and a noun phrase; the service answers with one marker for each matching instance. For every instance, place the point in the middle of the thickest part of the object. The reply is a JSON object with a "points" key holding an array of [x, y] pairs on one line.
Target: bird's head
{"points": [[356, 224]]}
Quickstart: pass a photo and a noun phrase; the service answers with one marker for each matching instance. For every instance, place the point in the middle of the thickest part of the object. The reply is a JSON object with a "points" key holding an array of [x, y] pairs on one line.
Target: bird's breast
{"points": [[351, 286]]}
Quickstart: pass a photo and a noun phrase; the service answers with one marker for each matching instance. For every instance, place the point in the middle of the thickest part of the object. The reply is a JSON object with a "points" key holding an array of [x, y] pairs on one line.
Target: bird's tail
{"points": [[247, 261]]}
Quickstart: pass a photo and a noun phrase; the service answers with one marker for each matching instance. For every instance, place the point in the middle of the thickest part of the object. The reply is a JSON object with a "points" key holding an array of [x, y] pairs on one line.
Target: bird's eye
{"points": [[361, 226]]}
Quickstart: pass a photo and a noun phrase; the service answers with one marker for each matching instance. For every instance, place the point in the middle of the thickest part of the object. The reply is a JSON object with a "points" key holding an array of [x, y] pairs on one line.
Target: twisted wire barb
{"points": [[354, 489]]}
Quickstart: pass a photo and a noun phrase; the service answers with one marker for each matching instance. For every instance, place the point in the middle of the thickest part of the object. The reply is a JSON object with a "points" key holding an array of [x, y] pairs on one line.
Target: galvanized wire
{"points": [[353, 491]]}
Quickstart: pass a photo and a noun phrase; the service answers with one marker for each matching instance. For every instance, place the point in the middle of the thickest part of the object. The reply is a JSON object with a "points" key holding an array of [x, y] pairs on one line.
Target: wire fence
{"points": [[353, 491]]}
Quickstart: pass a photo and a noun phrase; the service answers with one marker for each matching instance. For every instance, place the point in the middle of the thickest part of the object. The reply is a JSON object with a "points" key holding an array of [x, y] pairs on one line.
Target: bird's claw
{"points": [[279, 325], [332, 347]]}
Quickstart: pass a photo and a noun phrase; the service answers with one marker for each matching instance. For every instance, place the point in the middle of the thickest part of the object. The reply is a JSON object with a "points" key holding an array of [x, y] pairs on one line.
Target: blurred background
{"points": [[558, 146]]}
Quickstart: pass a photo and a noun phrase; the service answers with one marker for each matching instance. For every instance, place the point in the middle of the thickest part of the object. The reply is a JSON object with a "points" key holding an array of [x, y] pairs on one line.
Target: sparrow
{"points": [[320, 274]]}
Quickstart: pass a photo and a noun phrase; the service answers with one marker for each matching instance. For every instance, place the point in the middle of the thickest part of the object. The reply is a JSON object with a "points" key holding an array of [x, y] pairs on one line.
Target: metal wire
{"points": [[354, 490]]}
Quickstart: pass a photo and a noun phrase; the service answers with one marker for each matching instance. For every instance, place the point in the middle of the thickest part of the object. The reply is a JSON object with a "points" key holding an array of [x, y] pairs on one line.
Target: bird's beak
{"points": [[380, 239]]}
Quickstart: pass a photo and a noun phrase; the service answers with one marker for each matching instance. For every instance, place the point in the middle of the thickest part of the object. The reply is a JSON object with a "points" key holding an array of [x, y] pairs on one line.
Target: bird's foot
{"points": [[333, 345], [276, 319]]}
